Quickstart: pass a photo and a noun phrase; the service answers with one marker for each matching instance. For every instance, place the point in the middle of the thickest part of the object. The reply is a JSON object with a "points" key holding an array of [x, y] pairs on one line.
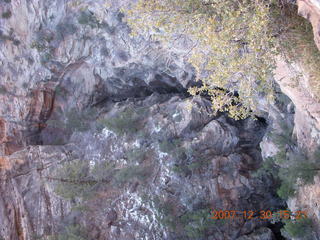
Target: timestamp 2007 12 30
{"points": [[251, 214]]}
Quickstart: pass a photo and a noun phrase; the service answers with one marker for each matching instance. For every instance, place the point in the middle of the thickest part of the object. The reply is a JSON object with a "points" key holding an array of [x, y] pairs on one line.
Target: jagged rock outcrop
{"points": [[82, 49], [202, 167]]}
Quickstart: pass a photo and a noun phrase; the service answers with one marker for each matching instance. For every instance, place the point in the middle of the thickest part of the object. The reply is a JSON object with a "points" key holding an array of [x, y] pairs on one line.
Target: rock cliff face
{"points": [[294, 81], [99, 137], [169, 164], [310, 9]]}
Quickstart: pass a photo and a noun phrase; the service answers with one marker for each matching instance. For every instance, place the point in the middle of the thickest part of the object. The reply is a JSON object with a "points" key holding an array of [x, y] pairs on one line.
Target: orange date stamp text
{"points": [[253, 214]]}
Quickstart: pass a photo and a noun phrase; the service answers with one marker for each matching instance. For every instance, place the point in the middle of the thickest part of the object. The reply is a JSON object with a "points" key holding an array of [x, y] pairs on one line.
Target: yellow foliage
{"points": [[233, 44]]}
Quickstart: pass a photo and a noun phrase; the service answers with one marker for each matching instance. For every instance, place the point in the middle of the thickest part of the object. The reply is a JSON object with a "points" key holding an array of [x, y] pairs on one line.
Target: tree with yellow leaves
{"points": [[233, 46]]}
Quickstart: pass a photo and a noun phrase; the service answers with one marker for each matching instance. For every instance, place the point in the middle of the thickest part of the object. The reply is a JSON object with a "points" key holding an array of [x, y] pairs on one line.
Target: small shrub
{"points": [[73, 179], [73, 232], [186, 167], [165, 216], [169, 146], [286, 190], [173, 147], [198, 164], [125, 122], [81, 178], [79, 120], [284, 137], [298, 167], [66, 28], [268, 167], [6, 14], [197, 223], [298, 228], [181, 169], [103, 170], [75, 122], [193, 224], [281, 156], [136, 155], [302, 168], [294, 165], [88, 18], [195, 165], [188, 161], [129, 173]]}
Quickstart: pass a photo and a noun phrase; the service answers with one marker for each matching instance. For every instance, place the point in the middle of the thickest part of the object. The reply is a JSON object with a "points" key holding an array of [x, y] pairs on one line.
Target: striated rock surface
{"points": [[310, 9], [294, 83]]}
